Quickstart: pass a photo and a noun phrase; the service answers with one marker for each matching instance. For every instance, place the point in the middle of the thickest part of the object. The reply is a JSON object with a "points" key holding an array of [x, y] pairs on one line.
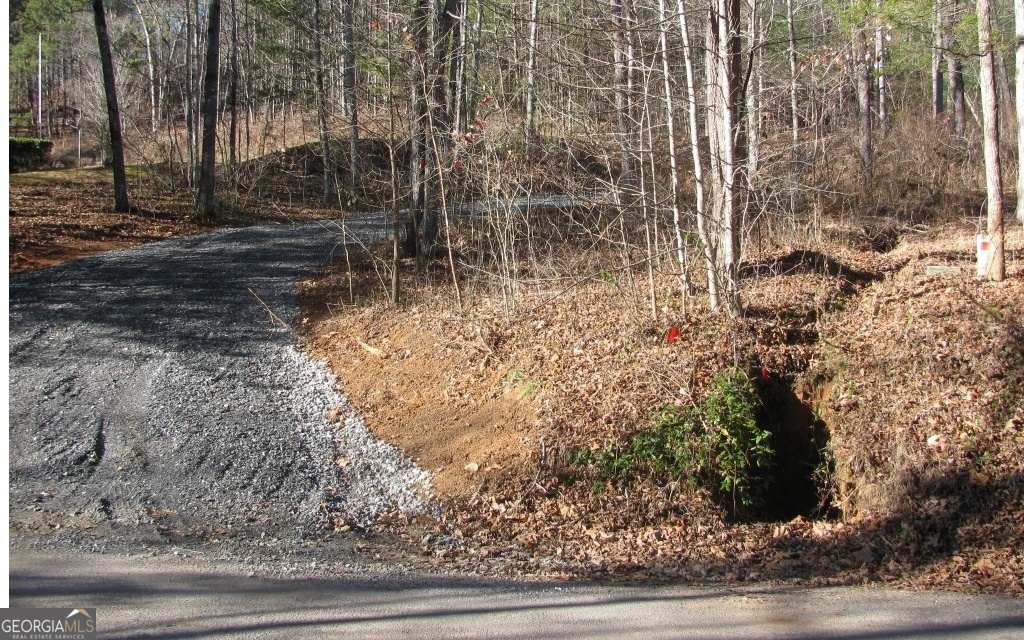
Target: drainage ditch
{"points": [[798, 479]]}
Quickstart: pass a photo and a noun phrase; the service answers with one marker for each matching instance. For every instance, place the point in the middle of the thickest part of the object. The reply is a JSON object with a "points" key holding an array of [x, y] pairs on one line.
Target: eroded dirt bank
{"points": [[902, 386]]}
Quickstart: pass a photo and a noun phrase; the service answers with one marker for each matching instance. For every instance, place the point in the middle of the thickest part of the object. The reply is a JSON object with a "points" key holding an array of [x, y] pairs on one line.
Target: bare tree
{"points": [[531, 73], [709, 243], [727, 149], [232, 97], [150, 68], [623, 46], [190, 87], [954, 63], [206, 202], [863, 71], [881, 32], [349, 90], [754, 90], [793, 87], [993, 168], [673, 159], [121, 204], [415, 244], [323, 129], [1018, 15], [938, 45]]}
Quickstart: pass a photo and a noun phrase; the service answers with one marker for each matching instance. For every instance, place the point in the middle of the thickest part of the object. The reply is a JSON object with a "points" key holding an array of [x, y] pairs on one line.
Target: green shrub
{"points": [[716, 444], [29, 154]]}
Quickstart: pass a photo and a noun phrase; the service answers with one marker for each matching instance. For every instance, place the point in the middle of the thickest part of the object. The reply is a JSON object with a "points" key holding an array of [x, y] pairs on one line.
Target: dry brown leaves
{"points": [[595, 365], [63, 215], [917, 376]]}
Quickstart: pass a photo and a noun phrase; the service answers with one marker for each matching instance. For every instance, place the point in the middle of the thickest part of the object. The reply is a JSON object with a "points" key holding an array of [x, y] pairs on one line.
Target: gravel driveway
{"points": [[159, 390]]}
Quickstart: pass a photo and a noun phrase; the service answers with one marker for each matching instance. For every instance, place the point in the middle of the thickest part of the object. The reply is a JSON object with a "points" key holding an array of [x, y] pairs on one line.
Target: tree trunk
{"points": [[323, 130], [1018, 18], [413, 245], [957, 96], [531, 73], [1003, 77], [725, 125], [459, 72], [793, 105], [709, 244], [206, 203], [233, 98], [990, 112], [863, 103], [938, 97], [440, 116], [150, 68], [396, 215], [190, 90], [445, 46], [880, 54], [672, 158], [752, 90], [472, 91], [121, 204], [954, 64], [349, 91], [622, 40]]}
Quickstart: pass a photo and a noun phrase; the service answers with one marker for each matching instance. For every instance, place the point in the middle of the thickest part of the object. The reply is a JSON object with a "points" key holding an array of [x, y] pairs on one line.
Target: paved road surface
{"points": [[168, 598]]}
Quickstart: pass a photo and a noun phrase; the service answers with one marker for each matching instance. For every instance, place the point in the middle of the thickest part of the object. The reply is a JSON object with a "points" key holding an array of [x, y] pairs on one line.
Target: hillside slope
{"points": [[893, 399]]}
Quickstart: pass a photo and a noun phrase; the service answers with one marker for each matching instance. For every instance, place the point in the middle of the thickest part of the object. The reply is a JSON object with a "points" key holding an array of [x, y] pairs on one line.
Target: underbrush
{"points": [[651, 457], [498, 165], [717, 445]]}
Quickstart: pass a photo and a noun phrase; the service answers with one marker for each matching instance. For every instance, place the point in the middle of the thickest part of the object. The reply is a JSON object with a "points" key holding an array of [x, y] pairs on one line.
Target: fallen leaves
{"points": [[63, 215], [672, 334], [912, 352]]}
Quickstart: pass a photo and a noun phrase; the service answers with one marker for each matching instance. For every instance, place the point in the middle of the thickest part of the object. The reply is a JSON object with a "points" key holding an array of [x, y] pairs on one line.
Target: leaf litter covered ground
{"points": [[909, 385], [63, 215], [917, 378]]}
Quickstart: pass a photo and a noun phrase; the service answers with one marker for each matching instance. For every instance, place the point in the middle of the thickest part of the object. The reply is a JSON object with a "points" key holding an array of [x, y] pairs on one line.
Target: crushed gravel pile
{"points": [[159, 390]]}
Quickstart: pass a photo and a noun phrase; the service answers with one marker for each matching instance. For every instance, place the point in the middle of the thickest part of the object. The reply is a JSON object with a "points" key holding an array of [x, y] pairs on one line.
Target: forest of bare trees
{"points": [[671, 135]]}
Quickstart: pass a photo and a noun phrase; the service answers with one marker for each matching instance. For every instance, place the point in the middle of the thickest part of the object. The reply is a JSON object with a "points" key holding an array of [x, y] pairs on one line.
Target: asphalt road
{"points": [[157, 396], [169, 598]]}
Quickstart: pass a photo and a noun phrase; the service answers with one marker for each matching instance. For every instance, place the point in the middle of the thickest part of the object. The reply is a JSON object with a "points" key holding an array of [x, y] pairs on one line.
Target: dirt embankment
{"points": [[436, 391], [893, 397]]}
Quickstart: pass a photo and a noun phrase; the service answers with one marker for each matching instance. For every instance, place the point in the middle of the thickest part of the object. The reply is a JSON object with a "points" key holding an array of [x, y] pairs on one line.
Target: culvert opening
{"points": [[800, 438]]}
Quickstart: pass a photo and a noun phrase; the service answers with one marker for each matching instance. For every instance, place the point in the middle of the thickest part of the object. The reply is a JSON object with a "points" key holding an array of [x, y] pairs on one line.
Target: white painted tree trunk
{"points": [[990, 118]]}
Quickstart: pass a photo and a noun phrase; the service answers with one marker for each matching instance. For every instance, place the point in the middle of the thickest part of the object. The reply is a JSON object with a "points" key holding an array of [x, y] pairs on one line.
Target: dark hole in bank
{"points": [[799, 438]]}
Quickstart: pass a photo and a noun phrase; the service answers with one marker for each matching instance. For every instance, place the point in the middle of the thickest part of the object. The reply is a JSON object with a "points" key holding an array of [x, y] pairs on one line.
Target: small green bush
{"points": [[716, 444], [29, 154]]}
